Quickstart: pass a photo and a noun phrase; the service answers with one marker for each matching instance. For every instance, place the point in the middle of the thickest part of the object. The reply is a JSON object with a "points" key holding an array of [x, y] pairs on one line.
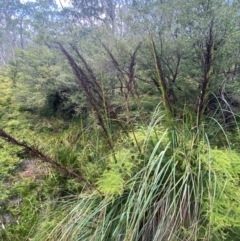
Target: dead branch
{"points": [[37, 153]]}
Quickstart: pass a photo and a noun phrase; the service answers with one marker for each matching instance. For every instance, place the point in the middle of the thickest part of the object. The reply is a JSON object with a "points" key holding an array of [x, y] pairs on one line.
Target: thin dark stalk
{"points": [[128, 78], [161, 78], [83, 80], [93, 90], [207, 71]]}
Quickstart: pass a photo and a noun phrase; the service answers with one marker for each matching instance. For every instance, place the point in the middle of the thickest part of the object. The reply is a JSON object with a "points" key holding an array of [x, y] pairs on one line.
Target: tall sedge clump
{"points": [[185, 189], [91, 88]]}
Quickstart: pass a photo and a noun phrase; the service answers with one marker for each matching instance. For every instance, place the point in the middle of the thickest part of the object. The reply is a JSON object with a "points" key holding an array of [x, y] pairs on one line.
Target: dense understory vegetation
{"points": [[119, 120]]}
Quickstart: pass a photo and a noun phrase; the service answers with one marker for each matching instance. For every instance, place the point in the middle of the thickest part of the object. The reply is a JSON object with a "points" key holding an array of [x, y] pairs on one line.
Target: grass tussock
{"points": [[185, 188]]}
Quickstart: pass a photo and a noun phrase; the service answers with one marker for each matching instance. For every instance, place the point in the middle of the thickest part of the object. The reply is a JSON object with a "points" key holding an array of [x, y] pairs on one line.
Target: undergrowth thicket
{"points": [[119, 120], [165, 179]]}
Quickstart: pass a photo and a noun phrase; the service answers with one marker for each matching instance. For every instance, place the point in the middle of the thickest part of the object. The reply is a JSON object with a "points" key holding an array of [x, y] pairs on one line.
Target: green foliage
{"points": [[18, 196], [182, 179], [55, 91], [22, 190], [153, 177], [111, 183], [178, 175], [224, 197]]}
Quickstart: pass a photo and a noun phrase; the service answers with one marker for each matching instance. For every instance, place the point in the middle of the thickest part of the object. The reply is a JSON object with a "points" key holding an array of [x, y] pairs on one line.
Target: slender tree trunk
{"points": [[207, 71]]}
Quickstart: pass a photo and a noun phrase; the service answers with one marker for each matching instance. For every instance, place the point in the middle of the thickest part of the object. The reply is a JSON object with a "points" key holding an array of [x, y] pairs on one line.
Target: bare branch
{"points": [[37, 153]]}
